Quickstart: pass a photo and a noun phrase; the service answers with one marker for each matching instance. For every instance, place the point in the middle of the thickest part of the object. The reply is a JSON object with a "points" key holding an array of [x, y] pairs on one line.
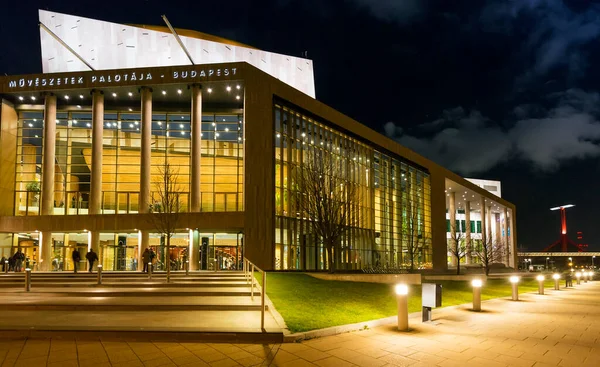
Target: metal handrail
{"points": [[249, 269]]}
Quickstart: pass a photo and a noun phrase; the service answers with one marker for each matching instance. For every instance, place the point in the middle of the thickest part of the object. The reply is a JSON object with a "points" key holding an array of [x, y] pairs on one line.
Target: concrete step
{"points": [[121, 284], [130, 292], [35, 302], [73, 279], [214, 326]]}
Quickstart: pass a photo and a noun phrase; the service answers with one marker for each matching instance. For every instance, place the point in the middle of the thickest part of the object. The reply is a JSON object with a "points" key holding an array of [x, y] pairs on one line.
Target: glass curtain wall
{"points": [[395, 211], [221, 162]]}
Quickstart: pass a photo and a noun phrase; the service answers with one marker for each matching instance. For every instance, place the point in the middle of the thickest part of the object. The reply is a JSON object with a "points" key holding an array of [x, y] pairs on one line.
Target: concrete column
{"points": [[195, 254], [97, 135], [144, 242], [46, 253], [468, 258], [452, 212], [488, 224], [49, 155], [483, 226], [146, 152], [510, 229], [505, 240], [497, 227], [196, 121]]}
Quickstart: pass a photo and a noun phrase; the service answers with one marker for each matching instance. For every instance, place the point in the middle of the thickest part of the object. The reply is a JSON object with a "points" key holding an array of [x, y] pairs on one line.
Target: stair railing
{"points": [[249, 269]]}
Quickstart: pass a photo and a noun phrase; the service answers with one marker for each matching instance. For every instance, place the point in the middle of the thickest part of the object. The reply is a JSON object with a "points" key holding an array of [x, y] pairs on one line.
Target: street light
{"points": [[515, 287], [476, 283], [540, 279], [402, 298], [556, 277]]}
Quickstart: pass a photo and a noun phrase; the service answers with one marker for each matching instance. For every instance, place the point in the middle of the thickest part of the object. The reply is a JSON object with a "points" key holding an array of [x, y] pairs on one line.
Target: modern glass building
{"points": [[84, 147]]}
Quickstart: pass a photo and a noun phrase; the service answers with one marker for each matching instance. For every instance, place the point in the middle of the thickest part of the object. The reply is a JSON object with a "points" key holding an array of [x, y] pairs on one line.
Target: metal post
{"points": [[99, 274], [150, 270], [515, 291], [262, 301], [252, 282], [5, 266], [187, 267], [27, 280], [402, 299], [540, 280], [476, 299]]}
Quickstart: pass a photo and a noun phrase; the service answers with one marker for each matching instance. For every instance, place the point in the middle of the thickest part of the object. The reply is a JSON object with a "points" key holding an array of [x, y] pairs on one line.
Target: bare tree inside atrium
{"points": [[329, 201], [165, 208], [489, 252], [457, 245]]}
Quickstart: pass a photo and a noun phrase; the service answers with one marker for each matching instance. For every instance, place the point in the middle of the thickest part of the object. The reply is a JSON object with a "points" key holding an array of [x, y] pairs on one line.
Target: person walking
{"points": [[3, 263], [146, 259], [76, 259], [91, 257], [19, 257]]}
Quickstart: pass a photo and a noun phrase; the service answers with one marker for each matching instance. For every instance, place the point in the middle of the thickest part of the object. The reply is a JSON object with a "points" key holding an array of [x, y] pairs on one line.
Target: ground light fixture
{"points": [[476, 283], [585, 276], [27, 280], [556, 278], [540, 279], [591, 275], [402, 298], [514, 281], [578, 276]]}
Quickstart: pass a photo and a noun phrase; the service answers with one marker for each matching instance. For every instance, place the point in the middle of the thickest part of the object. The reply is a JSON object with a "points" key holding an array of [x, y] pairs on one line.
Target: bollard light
{"points": [[556, 277], [99, 274], [187, 267], [578, 276], [150, 270], [514, 280], [591, 275], [476, 283], [540, 279], [585, 276], [27, 279], [402, 298], [5, 266]]}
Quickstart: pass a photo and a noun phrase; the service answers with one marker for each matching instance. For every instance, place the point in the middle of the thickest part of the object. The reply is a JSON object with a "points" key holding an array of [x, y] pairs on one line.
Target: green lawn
{"points": [[307, 303]]}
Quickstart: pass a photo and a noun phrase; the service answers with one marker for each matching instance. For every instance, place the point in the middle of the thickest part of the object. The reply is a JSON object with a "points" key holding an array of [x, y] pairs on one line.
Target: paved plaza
{"points": [[561, 328]]}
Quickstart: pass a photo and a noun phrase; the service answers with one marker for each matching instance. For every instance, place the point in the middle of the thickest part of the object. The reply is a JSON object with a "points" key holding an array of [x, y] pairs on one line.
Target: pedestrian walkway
{"points": [[561, 328]]}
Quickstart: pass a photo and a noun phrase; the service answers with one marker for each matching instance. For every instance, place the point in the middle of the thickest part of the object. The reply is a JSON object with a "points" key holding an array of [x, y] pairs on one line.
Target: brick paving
{"points": [[561, 328]]}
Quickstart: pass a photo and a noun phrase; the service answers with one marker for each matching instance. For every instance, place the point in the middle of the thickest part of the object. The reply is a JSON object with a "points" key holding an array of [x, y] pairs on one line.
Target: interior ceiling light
{"points": [[237, 97], [20, 98], [238, 86], [67, 97], [209, 90], [114, 94], [164, 92], [179, 91], [228, 88], [32, 98], [81, 96], [130, 94]]}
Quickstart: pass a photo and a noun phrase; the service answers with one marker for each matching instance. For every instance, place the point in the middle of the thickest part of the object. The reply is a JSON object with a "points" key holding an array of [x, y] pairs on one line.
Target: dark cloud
{"points": [[402, 11], [469, 143]]}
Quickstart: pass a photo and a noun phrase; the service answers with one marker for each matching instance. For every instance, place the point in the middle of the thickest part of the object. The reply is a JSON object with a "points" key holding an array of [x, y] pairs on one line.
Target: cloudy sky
{"points": [[498, 89]]}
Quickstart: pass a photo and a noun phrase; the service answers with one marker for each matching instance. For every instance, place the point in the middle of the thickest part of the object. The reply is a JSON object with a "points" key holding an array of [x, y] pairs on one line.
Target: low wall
{"points": [[371, 278], [454, 277]]}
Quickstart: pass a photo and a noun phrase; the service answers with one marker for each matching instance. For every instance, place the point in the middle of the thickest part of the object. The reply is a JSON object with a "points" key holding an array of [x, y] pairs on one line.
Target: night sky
{"points": [[496, 89]]}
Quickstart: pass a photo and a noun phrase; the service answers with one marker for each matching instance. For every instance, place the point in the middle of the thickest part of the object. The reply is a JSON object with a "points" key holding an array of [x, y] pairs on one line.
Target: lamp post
{"points": [[556, 277], [476, 283], [540, 279], [547, 262], [514, 280], [593, 257], [402, 298], [578, 276]]}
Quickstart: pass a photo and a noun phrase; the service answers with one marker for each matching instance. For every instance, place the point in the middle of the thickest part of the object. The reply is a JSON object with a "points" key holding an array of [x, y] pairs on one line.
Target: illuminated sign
{"points": [[106, 78]]}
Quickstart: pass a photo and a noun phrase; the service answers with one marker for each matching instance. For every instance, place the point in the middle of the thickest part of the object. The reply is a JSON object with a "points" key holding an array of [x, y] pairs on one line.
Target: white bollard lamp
{"points": [[402, 298]]}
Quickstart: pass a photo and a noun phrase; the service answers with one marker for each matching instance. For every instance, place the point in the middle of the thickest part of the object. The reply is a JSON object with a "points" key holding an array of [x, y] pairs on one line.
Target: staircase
{"points": [[201, 305]]}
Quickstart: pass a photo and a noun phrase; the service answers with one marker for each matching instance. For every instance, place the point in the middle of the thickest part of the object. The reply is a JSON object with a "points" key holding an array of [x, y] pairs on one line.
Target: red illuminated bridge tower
{"points": [[564, 241]]}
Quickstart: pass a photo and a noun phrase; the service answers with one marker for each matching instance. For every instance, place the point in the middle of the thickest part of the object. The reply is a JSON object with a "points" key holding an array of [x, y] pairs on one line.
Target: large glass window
{"points": [[221, 162], [395, 210]]}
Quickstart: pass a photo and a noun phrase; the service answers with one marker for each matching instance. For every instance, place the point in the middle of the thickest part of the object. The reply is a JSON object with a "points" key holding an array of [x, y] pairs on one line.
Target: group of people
{"points": [[148, 256], [91, 257], [15, 262]]}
